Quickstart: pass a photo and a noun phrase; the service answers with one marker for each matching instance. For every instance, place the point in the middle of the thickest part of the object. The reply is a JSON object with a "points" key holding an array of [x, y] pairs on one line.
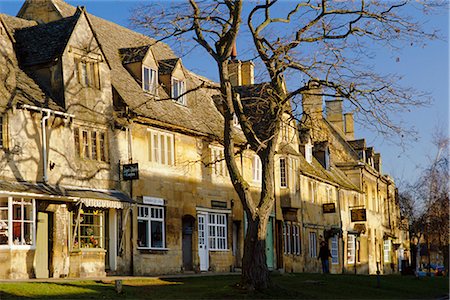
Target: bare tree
{"points": [[325, 43], [426, 204]]}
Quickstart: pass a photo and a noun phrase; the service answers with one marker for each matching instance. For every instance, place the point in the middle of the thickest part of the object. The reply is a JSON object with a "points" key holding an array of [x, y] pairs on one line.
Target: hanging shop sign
{"points": [[328, 208], [130, 171], [358, 215]]}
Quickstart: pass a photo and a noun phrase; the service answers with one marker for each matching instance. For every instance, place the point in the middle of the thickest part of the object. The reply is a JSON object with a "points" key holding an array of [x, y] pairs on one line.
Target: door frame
{"points": [[203, 253]]}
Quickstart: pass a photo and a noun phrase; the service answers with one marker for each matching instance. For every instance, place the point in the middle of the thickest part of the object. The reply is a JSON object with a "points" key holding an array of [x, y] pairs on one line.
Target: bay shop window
{"points": [[17, 222], [87, 228]]}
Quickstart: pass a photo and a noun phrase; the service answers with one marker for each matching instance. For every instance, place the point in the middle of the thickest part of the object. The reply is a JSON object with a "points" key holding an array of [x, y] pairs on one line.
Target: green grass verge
{"points": [[287, 286]]}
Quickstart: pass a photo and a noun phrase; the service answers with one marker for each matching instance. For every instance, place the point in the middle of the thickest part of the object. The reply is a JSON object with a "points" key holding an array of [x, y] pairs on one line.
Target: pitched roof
{"points": [[134, 54], [166, 66], [45, 42], [113, 37]]}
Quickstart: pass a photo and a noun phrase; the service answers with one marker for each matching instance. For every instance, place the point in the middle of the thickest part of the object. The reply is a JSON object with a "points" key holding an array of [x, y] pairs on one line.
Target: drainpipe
{"points": [[44, 145], [44, 119]]}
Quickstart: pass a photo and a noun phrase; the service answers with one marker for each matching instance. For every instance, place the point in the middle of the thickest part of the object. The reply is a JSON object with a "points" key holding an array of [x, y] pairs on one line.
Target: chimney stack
{"points": [[349, 127], [312, 101], [334, 114], [240, 72]]}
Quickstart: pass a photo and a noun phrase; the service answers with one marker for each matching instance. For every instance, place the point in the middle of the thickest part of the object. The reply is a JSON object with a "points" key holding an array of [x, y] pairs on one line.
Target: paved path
{"points": [[112, 278]]}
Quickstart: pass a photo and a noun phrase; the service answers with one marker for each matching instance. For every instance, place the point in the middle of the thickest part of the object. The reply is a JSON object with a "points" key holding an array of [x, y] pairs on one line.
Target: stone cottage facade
{"points": [[108, 166]]}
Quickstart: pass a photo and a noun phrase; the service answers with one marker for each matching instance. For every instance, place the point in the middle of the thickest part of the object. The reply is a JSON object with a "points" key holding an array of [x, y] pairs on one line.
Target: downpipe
{"points": [[44, 145]]}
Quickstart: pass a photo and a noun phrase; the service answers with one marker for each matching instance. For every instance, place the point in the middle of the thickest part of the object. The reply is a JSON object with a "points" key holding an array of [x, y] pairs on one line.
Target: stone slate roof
{"points": [[66, 193], [199, 115], [358, 144], [135, 54], [333, 175], [45, 42], [25, 90], [14, 23], [166, 66]]}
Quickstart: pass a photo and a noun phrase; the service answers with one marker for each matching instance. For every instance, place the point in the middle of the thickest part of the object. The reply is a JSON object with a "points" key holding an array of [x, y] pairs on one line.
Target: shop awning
{"points": [[35, 190], [101, 198], [88, 197]]}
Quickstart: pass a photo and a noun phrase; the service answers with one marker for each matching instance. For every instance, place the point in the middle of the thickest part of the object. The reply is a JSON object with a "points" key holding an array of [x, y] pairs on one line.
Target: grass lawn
{"points": [[287, 286]]}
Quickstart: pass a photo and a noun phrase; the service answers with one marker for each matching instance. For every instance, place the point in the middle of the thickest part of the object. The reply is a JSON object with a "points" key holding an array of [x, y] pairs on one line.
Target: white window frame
{"points": [[351, 249], [296, 239], [287, 238], [157, 155], [152, 83], [312, 189], [12, 201], [293, 166], [145, 214], [334, 250], [308, 152], [283, 173], [219, 166], [217, 232], [312, 244], [256, 169], [178, 88], [387, 251]]}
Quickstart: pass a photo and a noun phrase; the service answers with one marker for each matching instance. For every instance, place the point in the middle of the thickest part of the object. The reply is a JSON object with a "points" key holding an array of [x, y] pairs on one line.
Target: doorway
{"points": [[202, 243], [44, 245], [269, 244], [236, 244], [187, 229]]}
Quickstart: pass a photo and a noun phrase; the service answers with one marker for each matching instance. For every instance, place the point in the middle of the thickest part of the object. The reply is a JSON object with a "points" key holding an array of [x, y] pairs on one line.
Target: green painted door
{"points": [[269, 244]]}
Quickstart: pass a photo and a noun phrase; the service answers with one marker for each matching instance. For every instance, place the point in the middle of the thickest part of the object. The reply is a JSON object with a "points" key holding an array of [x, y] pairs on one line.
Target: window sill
{"points": [[17, 247], [153, 250], [88, 250], [219, 250]]}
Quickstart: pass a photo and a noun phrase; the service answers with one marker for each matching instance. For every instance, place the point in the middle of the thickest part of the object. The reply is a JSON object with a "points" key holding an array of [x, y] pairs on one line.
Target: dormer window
{"points": [[149, 80], [178, 90], [309, 152], [88, 73]]}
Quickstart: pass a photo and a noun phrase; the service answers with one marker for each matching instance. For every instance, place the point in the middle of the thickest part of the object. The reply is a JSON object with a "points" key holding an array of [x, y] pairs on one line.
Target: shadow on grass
{"points": [[287, 286]]}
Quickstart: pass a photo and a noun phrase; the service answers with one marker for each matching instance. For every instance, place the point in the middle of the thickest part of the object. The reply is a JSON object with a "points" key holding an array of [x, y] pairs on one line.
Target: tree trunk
{"points": [[255, 273]]}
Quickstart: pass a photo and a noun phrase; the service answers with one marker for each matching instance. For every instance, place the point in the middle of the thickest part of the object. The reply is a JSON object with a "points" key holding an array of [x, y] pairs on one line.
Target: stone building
{"points": [[108, 166]]}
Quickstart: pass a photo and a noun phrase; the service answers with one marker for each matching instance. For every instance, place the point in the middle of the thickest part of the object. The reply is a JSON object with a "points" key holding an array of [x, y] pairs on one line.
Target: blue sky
{"points": [[424, 68]]}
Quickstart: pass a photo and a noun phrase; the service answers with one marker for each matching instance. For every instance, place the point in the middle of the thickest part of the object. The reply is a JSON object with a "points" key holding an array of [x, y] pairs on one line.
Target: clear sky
{"points": [[424, 68]]}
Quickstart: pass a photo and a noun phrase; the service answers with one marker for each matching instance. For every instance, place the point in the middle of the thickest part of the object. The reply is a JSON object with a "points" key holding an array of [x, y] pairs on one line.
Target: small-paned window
{"points": [[219, 165], [334, 250], [256, 169], [312, 192], [387, 251], [217, 231], [312, 245], [291, 233], [308, 152], [293, 167], [283, 175], [161, 148], [88, 73], [151, 227], [149, 80], [17, 227], [351, 249], [90, 144], [88, 228], [178, 90]]}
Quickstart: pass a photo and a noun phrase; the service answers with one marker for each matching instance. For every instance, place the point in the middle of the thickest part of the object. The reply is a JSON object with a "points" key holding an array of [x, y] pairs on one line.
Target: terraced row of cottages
{"points": [[107, 167]]}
